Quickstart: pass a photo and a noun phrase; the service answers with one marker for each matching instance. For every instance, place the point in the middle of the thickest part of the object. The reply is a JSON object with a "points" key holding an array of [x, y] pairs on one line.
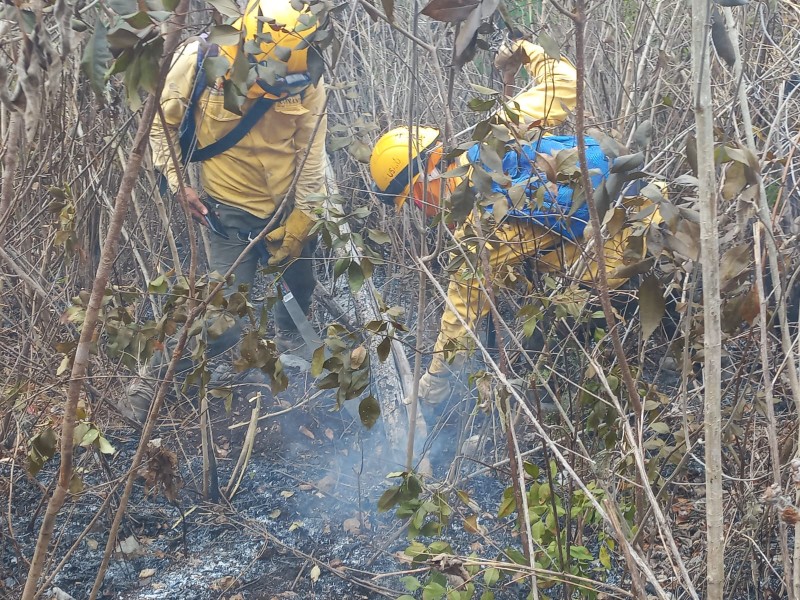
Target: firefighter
{"points": [[248, 161], [547, 227]]}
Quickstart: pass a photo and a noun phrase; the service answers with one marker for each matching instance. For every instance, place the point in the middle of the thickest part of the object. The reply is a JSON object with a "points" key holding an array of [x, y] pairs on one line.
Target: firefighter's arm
{"points": [[286, 242], [552, 97], [174, 98], [310, 137]]}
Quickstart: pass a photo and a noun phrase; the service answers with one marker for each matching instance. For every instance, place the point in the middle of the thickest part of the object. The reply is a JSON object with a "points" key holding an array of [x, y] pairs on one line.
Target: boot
{"points": [[140, 394]]}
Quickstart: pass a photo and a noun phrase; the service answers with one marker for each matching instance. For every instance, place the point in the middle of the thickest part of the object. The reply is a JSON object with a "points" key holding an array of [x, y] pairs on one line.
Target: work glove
{"points": [[434, 389], [287, 241], [436, 385], [508, 60]]}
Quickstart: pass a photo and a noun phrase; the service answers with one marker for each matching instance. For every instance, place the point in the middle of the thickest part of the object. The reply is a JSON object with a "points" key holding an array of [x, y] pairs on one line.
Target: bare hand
{"points": [[192, 201]]}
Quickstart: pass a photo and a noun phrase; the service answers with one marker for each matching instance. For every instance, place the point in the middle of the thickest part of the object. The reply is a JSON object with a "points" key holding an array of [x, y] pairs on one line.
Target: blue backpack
{"points": [[554, 214]]}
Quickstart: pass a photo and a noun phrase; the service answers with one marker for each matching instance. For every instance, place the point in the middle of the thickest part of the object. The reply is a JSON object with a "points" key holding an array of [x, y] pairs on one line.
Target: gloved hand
{"points": [[509, 59], [287, 241], [434, 389], [437, 383]]}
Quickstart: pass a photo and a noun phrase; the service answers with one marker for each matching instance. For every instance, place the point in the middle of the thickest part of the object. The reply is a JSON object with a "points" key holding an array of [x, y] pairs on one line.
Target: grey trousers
{"points": [[298, 274]]}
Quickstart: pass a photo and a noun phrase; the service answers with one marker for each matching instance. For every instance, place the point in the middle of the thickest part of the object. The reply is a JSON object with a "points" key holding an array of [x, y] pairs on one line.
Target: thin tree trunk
{"points": [[712, 344], [9, 169], [88, 331]]}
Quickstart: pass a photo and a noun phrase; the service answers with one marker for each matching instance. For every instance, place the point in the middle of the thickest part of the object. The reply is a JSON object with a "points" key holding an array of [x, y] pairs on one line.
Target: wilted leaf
{"points": [[357, 357], [471, 524], [369, 410], [722, 41], [360, 151], [691, 152], [388, 8], [105, 446], [651, 305], [315, 573], [75, 484], [449, 11], [734, 262], [145, 573], [306, 432], [641, 137], [130, 546], [735, 180]]}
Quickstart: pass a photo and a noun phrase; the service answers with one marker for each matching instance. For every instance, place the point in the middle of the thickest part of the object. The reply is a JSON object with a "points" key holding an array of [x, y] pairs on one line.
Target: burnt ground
{"points": [[304, 522], [308, 497]]}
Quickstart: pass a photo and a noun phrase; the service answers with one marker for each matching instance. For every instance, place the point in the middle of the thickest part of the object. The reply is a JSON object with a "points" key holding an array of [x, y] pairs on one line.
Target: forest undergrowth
{"points": [[573, 463]]}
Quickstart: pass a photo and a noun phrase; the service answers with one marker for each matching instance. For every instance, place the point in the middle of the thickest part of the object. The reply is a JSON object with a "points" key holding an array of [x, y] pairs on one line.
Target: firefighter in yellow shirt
{"points": [[248, 162], [549, 229]]}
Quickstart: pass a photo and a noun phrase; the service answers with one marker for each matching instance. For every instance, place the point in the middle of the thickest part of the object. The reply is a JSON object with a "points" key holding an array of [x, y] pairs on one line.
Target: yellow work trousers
{"points": [[507, 247]]}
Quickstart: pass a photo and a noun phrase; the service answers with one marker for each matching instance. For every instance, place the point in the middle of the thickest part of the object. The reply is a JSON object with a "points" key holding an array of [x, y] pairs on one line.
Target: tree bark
{"points": [[712, 339]]}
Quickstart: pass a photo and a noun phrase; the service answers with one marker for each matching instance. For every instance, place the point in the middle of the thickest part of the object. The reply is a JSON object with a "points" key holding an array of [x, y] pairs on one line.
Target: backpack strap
{"points": [[284, 87]]}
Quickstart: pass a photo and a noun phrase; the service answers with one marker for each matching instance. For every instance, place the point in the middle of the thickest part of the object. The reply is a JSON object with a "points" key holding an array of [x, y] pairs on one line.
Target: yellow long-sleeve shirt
{"points": [[256, 173], [553, 95]]}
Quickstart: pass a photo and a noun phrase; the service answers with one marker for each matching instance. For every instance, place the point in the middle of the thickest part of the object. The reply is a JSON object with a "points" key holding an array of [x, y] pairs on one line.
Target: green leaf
{"points": [[227, 8], [384, 348], [223, 323], [549, 45], [96, 57], [105, 446], [124, 7], [481, 105], [369, 410], [660, 427], [433, 591], [45, 443], [90, 436], [491, 576], [224, 35], [484, 90], [412, 584], [388, 499], [605, 557], [580, 553], [75, 484], [517, 556], [355, 277], [377, 236], [232, 99], [215, 67]]}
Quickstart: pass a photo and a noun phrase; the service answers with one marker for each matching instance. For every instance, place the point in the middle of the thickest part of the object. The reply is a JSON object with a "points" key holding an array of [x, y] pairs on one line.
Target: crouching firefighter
{"points": [[543, 228], [248, 161]]}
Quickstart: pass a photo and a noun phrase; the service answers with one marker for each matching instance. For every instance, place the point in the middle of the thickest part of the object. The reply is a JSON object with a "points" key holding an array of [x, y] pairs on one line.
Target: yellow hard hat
{"points": [[389, 165], [282, 32]]}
